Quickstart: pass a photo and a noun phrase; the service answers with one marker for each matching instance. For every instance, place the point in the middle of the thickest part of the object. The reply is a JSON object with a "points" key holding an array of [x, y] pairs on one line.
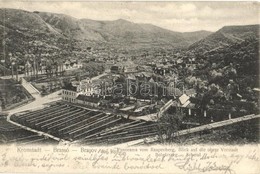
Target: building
{"points": [[91, 101], [129, 65], [131, 77], [70, 93], [73, 90], [117, 69], [146, 76], [173, 91], [184, 100], [86, 87], [160, 70], [190, 92], [72, 64]]}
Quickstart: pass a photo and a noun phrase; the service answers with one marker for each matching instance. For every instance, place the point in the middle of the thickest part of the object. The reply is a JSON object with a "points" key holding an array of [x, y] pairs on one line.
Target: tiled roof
{"points": [[88, 99], [131, 77], [147, 74], [70, 88], [175, 91], [186, 103], [184, 98], [190, 92]]}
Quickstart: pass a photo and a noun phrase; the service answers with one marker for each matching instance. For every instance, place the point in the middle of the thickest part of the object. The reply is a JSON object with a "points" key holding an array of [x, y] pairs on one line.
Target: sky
{"points": [[175, 16]]}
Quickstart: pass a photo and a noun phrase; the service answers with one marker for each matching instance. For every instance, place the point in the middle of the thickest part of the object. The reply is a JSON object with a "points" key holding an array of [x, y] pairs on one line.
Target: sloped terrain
{"points": [[23, 26], [226, 36]]}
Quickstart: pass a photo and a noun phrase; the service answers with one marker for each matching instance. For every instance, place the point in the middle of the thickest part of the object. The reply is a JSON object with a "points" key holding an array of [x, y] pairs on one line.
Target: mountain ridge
{"points": [[71, 34], [121, 30], [227, 35]]}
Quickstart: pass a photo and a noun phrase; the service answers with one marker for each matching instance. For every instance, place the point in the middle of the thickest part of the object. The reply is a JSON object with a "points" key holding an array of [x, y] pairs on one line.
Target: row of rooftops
{"points": [[91, 99], [70, 87]]}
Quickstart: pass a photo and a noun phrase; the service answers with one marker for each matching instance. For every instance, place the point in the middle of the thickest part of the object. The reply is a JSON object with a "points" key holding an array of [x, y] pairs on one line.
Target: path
{"points": [[155, 116], [99, 76], [39, 102], [30, 88], [20, 75]]}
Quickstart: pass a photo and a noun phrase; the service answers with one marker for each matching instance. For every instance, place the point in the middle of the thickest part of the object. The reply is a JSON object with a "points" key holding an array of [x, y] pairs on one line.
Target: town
{"points": [[68, 91]]}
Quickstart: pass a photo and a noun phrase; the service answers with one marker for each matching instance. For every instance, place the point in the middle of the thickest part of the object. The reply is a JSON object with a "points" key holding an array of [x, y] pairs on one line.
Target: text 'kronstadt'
{"points": [[29, 149]]}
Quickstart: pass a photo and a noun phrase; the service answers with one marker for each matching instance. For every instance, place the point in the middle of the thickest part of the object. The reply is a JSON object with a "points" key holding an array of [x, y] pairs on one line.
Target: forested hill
{"points": [[236, 46], [225, 37], [63, 31], [219, 67]]}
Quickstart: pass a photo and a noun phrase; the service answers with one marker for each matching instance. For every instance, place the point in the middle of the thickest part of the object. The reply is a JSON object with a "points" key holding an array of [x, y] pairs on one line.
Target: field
{"points": [[85, 126], [12, 134]]}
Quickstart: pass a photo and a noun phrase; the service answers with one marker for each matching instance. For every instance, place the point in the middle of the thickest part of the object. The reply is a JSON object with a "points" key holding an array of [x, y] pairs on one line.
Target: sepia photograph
{"points": [[170, 77]]}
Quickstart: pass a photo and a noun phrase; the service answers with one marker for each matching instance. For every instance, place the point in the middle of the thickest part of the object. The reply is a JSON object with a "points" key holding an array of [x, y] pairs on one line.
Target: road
{"points": [[19, 75], [99, 76], [39, 102], [10, 76]]}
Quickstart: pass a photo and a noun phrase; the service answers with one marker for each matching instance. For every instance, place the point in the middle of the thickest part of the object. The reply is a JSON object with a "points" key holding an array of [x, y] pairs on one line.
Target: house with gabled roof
{"points": [[92, 101], [72, 64]]}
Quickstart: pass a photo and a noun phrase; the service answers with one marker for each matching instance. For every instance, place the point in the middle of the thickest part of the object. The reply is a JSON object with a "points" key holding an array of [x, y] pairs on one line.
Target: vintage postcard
{"points": [[129, 87]]}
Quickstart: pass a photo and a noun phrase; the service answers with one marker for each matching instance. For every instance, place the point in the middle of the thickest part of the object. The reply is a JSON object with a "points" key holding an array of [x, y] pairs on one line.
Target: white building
{"points": [[72, 91], [72, 64], [86, 87]]}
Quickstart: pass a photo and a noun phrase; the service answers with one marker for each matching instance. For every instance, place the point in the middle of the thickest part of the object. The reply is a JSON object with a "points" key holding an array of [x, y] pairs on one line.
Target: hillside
{"points": [[69, 27], [227, 61], [235, 47], [29, 35], [192, 37], [119, 31], [22, 21], [20, 27], [226, 36]]}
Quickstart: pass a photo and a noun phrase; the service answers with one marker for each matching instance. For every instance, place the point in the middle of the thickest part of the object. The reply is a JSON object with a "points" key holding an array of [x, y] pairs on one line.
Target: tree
{"points": [[50, 84], [170, 123], [77, 77], [211, 102], [43, 89], [213, 88], [232, 89], [214, 65], [66, 82], [49, 68]]}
